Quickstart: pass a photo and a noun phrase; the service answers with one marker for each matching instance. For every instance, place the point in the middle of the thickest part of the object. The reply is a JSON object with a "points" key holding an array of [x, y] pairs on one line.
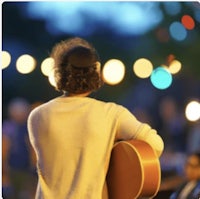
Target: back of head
{"points": [[76, 66], [192, 167]]}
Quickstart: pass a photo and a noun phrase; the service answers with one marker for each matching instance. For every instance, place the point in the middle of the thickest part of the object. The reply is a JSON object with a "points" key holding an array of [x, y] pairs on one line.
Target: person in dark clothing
{"points": [[190, 189], [17, 170]]}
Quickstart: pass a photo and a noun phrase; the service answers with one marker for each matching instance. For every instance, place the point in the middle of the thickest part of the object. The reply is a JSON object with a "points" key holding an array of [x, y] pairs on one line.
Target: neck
{"points": [[76, 95]]}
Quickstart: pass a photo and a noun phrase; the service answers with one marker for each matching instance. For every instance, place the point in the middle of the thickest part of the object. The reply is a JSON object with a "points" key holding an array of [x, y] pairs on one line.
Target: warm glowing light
{"points": [[188, 22], [192, 111], [161, 78], [162, 34], [143, 68], [113, 71], [177, 31], [47, 66], [170, 58], [6, 59], [174, 67], [51, 78], [25, 64]]}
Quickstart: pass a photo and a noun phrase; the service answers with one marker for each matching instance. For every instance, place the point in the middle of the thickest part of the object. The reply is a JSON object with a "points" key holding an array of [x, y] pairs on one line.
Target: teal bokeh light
{"points": [[161, 78]]}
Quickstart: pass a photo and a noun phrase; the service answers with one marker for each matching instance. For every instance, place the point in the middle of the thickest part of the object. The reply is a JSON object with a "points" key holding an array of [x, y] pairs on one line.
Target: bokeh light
{"points": [[25, 64], [192, 111], [188, 22], [91, 14], [161, 78], [143, 68], [113, 71], [51, 78], [47, 66], [197, 15], [174, 67], [172, 8], [162, 34], [6, 59], [170, 58], [177, 31]]}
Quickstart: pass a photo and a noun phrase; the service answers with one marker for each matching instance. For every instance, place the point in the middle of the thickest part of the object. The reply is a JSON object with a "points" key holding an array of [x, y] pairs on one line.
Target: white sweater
{"points": [[73, 138]]}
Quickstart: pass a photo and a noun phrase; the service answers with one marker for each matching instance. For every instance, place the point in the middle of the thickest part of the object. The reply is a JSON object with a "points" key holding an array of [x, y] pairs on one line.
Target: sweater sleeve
{"points": [[33, 126], [130, 128]]}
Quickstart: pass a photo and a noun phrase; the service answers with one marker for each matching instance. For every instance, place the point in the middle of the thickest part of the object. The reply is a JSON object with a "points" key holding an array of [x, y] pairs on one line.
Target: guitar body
{"points": [[134, 171]]}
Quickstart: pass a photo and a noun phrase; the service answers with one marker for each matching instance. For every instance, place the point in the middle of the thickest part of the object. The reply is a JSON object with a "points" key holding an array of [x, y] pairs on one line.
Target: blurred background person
{"points": [[173, 125], [193, 138], [18, 173], [190, 189], [6, 186]]}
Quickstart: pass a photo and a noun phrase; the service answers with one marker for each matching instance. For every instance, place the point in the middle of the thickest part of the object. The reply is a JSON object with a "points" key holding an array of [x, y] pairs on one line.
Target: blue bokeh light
{"points": [[83, 18], [172, 8], [178, 31], [161, 78], [197, 15]]}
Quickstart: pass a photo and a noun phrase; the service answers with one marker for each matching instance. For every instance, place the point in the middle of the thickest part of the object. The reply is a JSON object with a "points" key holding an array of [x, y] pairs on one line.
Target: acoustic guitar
{"points": [[134, 171]]}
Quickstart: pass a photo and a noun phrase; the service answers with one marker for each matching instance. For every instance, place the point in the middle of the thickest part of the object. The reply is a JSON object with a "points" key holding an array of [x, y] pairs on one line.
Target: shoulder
{"points": [[197, 188], [107, 104], [39, 110], [111, 106], [176, 193], [195, 193]]}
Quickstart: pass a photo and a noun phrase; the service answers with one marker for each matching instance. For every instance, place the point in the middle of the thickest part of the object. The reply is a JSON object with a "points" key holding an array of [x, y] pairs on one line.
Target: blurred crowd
{"points": [[18, 159], [181, 138], [19, 177]]}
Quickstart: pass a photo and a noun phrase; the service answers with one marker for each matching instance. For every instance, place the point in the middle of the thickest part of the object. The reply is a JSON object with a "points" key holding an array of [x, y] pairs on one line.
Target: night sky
{"points": [[122, 30]]}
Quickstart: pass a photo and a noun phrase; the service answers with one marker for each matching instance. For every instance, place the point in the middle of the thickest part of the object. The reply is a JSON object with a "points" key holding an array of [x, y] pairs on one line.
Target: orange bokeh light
{"points": [[188, 22]]}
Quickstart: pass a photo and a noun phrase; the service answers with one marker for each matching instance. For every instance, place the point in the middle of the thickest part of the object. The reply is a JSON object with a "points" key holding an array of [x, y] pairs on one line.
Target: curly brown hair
{"points": [[76, 66]]}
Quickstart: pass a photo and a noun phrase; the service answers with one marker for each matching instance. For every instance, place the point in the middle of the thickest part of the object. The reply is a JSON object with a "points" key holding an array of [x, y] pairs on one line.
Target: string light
{"points": [[6, 59], [51, 78], [192, 111], [143, 68], [174, 67], [47, 66], [25, 64], [113, 71]]}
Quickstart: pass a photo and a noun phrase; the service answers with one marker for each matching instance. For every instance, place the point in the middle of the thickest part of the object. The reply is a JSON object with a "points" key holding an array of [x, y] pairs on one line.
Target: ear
{"points": [[98, 66]]}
